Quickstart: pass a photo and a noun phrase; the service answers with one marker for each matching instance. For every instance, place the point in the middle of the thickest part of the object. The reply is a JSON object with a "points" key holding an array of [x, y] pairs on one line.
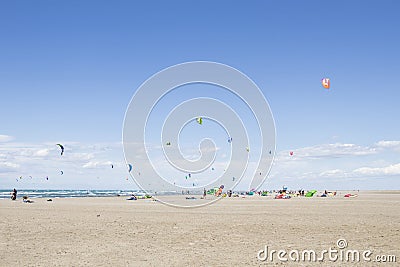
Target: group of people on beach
{"points": [[25, 199]]}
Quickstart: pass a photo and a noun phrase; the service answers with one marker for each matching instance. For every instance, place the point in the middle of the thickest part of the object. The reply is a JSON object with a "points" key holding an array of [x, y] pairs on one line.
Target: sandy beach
{"points": [[114, 231]]}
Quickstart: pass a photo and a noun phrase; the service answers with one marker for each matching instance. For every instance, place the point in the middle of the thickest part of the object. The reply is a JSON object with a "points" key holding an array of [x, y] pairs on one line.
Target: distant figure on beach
{"points": [[14, 194], [204, 193], [26, 199], [133, 197]]}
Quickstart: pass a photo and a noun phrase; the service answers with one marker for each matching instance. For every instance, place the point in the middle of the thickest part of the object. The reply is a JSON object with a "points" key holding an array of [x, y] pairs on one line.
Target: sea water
{"points": [[32, 193]]}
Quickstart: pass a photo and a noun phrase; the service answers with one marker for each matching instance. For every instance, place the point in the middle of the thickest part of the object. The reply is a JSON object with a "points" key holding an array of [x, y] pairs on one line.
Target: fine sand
{"points": [[116, 232]]}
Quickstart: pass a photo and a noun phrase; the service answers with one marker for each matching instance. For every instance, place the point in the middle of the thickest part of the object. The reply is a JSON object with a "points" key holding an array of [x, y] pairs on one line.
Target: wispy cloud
{"points": [[393, 169], [395, 145], [96, 164], [5, 138], [329, 151], [323, 163], [8, 167]]}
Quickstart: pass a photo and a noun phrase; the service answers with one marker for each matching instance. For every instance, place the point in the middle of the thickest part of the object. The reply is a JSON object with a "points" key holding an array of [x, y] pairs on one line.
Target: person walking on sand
{"points": [[204, 193], [14, 194]]}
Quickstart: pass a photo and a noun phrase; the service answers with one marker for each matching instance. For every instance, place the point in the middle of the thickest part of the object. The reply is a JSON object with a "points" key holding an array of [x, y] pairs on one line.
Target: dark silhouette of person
{"points": [[14, 194]]}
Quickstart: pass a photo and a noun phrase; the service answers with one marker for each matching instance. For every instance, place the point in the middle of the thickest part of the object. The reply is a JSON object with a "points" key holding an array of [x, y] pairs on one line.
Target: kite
{"points": [[326, 83], [291, 153], [270, 152], [112, 166], [189, 175], [62, 148], [62, 172], [230, 140], [130, 167], [212, 168], [233, 179], [247, 149], [168, 143], [199, 120], [47, 178]]}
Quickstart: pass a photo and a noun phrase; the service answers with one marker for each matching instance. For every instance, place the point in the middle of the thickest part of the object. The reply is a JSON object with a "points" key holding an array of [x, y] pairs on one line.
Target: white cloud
{"points": [[5, 138], [393, 169], [319, 164], [8, 167], [332, 173], [42, 152], [388, 143], [96, 164], [395, 145], [333, 150]]}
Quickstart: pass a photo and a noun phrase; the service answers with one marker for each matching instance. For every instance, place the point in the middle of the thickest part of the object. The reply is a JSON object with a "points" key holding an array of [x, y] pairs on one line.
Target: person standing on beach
{"points": [[204, 193], [14, 194]]}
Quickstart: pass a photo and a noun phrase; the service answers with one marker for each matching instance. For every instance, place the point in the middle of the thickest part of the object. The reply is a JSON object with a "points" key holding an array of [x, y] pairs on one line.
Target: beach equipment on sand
{"points": [[219, 192], [212, 191], [350, 195], [311, 193], [26, 199], [282, 196]]}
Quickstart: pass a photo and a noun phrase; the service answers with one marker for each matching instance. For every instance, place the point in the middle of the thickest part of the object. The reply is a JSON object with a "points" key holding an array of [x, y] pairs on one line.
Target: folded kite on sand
{"points": [[350, 195]]}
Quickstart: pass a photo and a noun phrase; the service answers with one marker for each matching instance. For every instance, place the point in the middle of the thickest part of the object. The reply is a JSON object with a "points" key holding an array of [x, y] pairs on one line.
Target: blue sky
{"points": [[69, 68]]}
